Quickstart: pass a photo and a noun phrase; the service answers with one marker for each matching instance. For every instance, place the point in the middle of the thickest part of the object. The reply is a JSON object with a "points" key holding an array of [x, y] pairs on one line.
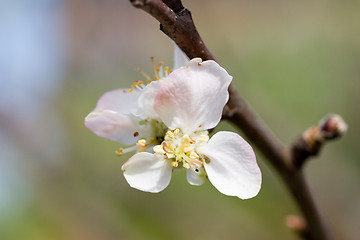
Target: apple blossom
{"points": [[166, 120], [189, 101]]}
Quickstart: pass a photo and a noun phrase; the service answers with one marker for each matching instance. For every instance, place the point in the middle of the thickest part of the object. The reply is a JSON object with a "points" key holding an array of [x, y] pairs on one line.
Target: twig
{"points": [[176, 22], [312, 140]]}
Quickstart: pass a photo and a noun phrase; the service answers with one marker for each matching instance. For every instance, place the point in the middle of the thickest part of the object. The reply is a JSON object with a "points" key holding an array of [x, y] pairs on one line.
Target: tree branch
{"points": [[176, 22]]}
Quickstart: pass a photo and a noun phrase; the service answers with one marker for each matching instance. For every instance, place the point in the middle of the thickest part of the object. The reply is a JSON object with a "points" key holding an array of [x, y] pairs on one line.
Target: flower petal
{"points": [[119, 100], [147, 172], [116, 126], [192, 98], [196, 177], [232, 169], [146, 101], [180, 59]]}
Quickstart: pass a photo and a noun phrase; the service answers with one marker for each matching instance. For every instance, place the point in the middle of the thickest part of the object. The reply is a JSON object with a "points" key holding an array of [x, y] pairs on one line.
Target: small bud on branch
{"points": [[297, 224], [312, 140]]}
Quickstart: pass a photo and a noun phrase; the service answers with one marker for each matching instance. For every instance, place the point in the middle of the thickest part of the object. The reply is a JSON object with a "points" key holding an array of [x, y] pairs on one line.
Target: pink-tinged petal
{"points": [[196, 177], [119, 100], [180, 59], [147, 172], [192, 98], [116, 126], [232, 168], [146, 101]]}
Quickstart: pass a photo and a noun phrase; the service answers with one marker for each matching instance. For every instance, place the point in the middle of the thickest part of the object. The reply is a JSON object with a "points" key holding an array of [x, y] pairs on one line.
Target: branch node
{"points": [[297, 224], [310, 143]]}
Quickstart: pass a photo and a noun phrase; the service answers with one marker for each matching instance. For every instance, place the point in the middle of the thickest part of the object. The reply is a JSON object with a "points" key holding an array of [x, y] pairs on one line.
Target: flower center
{"points": [[145, 143], [181, 148]]}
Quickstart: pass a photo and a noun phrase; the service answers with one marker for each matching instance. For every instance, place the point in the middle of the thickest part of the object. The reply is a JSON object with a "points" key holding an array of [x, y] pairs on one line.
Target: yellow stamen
{"points": [[194, 155], [158, 149], [145, 75], [176, 132], [154, 67], [141, 143], [186, 165], [120, 152], [170, 134]]}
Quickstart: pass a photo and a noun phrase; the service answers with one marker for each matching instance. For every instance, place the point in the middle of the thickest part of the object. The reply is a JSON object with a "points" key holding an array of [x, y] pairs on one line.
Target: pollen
{"points": [[178, 147], [159, 149], [120, 152], [186, 166], [159, 72], [170, 134], [141, 143], [194, 155]]}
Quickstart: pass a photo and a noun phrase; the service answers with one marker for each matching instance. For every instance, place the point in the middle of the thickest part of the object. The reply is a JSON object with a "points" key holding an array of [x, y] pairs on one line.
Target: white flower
{"points": [[127, 115], [189, 101]]}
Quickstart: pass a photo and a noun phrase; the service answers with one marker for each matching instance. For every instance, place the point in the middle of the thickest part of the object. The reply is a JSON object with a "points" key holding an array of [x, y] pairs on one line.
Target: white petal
{"points": [[180, 59], [146, 101], [232, 169], [147, 172], [196, 177], [192, 98], [119, 100], [116, 126]]}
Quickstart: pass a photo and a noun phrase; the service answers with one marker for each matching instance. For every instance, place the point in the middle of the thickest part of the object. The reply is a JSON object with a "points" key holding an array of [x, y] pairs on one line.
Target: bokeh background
{"points": [[293, 62]]}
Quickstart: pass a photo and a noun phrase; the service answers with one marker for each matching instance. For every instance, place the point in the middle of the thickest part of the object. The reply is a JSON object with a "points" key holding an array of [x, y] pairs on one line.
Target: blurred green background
{"points": [[293, 62]]}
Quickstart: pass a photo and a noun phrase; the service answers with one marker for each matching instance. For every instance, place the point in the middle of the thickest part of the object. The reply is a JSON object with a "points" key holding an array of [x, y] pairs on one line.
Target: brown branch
{"points": [[176, 22], [178, 26]]}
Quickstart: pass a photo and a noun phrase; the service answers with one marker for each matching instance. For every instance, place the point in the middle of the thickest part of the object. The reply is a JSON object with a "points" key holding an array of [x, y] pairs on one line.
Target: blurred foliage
{"points": [[293, 62]]}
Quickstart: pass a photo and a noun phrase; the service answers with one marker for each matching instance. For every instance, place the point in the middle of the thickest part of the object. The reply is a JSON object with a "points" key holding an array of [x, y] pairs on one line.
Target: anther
{"points": [[120, 152], [186, 165], [194, 155], [175, 164], [177, 131], [169, 148], [141, 143], [170, 134], [158, 149]]}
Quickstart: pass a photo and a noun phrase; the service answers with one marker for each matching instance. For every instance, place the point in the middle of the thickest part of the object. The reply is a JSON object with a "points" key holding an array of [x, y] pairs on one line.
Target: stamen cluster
{"points": [[159, 72], [180, 148]]}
